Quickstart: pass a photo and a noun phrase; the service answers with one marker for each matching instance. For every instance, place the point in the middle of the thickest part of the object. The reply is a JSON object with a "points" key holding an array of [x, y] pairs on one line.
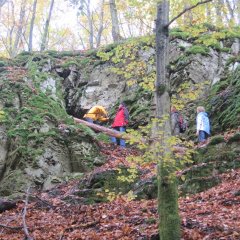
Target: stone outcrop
{"points": [[44, 89]]}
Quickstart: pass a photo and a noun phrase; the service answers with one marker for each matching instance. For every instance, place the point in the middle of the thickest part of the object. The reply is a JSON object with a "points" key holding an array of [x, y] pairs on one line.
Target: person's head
{"points": [[173, 109], [200, 109], [122, 104]]}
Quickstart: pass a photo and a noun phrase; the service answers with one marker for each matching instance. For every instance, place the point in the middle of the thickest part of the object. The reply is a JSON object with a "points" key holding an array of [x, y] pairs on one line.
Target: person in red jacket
{"points": [[120, 122]]}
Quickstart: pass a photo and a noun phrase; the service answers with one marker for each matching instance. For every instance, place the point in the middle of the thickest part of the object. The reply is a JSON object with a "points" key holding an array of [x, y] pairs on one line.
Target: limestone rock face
{"points": [[99, 85], [34, 150], [37, 152]]}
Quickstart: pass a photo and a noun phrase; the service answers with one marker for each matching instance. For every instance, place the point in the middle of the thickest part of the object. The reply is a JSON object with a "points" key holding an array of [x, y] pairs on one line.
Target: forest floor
{"points": [[213, 214]]}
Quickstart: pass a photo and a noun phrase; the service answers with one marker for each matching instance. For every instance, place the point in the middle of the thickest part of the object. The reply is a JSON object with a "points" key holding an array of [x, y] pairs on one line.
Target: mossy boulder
{"points": [[216, 140], [101, 186], [234, 138], [14, 184]]}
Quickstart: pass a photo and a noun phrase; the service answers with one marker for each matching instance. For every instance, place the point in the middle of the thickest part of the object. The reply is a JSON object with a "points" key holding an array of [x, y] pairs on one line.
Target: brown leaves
{"points": [[213, 214]]}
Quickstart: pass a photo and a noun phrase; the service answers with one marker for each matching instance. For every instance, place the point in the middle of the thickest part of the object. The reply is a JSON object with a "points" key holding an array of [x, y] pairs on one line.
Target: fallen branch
{"points": [[108, 131], [9, 227], [43, 201], [25, 228]]}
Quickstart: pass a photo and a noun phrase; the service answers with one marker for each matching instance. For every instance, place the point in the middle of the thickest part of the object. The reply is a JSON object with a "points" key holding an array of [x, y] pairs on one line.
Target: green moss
{"points": [[103, 137], [52, 53], [197, 49], [223, 103], [13, 183], [69, 63], [196, 185], [2, 63], [178, 33], [216, 140], [85, 61], [110, 47], [234, 138], [91, 53]]}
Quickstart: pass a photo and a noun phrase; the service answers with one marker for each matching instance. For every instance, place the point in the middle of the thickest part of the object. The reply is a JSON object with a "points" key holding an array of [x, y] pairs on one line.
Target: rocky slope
{"points": [[39, 91]]}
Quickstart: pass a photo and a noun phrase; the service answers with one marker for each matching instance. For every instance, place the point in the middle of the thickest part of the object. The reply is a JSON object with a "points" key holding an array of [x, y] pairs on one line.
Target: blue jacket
{"points": [[203, 122]]}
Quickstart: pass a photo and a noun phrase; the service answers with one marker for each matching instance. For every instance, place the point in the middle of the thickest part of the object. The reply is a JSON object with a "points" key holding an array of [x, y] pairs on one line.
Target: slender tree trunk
{"points": [[219, 12], [100, 29], [30, 41], [169, 227], [90, 24], [208, 12], [19, 29], [45, 33], [237, 4], [10, 31], [115, 23], [231, 12], [188, 17]]}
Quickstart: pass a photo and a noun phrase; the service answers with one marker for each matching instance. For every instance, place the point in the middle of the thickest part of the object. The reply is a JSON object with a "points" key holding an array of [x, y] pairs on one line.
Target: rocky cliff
{"points": [[40, 91]]}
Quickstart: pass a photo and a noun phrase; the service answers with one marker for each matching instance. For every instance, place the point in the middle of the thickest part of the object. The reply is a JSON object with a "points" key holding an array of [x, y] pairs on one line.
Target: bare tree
{"points": [[188, 17], [20, 26], [208, 12], [45, 33], [90, 23], [30, 41], [100, 30], [219, 12], [115, 23]]}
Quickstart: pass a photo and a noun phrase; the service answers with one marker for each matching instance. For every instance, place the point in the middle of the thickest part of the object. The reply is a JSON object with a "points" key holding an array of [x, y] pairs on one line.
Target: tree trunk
{"points": [[188, 17], [90, 24], [219, 11], [237, 4], [115, 23], [100, 30], [31, 26], [231, 11], [208, 12], [19, 29], [169, 227], [45, 33], [108, 131]]}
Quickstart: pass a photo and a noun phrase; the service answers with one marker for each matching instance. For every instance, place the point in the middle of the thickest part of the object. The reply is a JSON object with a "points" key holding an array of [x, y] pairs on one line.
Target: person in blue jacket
{"points": [[203, 125]]}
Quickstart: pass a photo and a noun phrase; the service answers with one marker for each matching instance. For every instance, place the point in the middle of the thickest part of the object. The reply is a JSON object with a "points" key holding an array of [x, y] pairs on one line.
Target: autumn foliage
{"points": [[59, 213]]}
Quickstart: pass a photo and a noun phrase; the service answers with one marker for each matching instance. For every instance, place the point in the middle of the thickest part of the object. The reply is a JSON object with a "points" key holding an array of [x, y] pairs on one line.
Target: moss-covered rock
{"points": [[101, 186], [234, 138], [224, 104], [32, 102], [216, 140], [197, 49], [15, 183]]}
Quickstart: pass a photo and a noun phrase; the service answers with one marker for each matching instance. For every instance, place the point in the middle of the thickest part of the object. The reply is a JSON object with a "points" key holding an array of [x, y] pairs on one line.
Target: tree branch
{"points": [[9, 227], [186, 10], [28, 237]]}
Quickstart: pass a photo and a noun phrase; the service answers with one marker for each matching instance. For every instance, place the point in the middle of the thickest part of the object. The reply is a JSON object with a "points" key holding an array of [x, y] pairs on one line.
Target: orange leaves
{"points": [[209, 215]]}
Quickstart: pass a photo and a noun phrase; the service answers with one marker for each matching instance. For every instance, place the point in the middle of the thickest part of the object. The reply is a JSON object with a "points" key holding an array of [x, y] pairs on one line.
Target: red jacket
{"points": [[120, 118]]}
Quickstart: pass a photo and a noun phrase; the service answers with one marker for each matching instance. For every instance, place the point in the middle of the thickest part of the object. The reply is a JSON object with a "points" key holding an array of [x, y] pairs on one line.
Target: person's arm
{"points": [[104, 112], [103, 115]]}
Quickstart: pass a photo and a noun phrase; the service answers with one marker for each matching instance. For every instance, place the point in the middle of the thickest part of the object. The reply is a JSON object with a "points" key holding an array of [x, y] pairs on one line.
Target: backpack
{"points": [[182, 123]]}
